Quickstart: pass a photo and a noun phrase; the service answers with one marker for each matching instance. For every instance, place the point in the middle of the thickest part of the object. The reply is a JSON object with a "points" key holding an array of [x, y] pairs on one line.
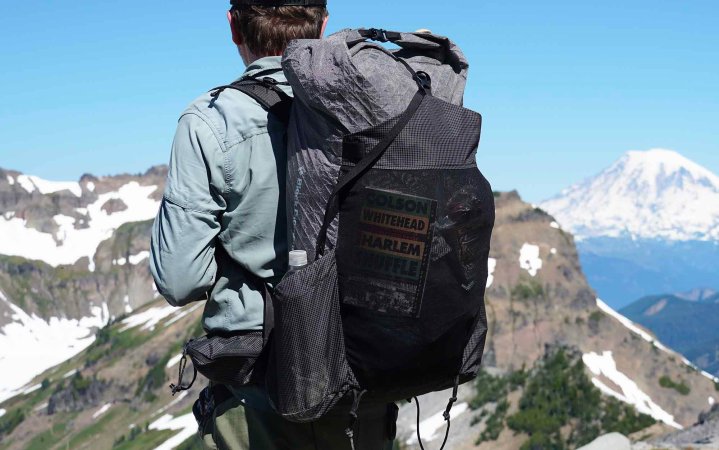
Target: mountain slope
{"points": [[688, 326], [656, 194], [556, 305], [537, 297], [89, 266], [114, 394]]}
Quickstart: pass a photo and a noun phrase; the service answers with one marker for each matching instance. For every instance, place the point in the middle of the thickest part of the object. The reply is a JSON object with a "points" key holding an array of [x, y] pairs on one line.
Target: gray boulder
{"points": [[611, 441]]}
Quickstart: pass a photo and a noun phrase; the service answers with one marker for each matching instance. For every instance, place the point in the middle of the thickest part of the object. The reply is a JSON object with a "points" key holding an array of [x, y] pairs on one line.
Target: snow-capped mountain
{"points": [[654, 194]]}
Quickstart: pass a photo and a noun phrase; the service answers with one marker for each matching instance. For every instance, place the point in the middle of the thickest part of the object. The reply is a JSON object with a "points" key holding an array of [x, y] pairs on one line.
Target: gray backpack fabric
{"points": [[386, 194], [344, 84]]}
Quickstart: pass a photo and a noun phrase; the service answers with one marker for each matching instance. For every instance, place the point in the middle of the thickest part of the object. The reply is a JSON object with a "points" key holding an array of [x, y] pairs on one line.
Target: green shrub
{"points": [[517, 379], [10, 421], [623, 418], [528, 289], [557, 394], [79, 384], [495, 423], [668, 383], [489, 389], [153, 380]]}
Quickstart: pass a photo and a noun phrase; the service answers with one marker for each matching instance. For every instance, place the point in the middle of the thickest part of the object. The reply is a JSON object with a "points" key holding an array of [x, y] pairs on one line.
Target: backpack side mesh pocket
{"points": [[232, 360], [309, 373]]}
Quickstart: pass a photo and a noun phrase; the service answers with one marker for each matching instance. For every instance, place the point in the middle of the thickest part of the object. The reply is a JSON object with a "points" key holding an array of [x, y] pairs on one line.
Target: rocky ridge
{"points": [[537, 297], [73, 256]]}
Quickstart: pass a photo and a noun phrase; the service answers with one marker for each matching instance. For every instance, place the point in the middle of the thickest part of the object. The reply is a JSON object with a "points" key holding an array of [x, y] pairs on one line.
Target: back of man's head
{"points": [[266, 30]]}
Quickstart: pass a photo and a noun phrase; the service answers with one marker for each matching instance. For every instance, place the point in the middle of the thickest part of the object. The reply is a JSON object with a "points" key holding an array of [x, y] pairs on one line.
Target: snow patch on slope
{"points": [[138, 258], [29, 345], [491, 265], [102, 410], [629, 324], [174, 361], [32, 183], [649, 338], [148, 319], [529, 259], [73, 244], [132, 259], [652, 194], [187, 425], [182, 313], [174, 402], [605, 365], [429, 427]]}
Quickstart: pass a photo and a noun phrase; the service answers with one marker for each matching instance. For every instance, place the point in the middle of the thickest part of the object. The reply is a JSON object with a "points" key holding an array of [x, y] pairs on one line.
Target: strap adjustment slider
{"points": [[378, 34]]}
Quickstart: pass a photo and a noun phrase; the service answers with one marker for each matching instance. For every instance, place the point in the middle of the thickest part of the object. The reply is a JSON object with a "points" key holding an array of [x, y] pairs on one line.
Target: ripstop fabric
{"points": [[344, 84], [393, 305]]}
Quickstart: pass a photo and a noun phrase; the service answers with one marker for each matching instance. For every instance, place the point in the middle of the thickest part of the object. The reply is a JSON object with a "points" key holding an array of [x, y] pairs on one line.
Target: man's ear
{"points": [[324, 25], [236, 37]]}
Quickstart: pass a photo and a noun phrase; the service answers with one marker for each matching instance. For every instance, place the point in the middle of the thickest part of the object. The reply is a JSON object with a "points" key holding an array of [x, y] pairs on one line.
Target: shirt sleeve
{"points": [[185, 230]]}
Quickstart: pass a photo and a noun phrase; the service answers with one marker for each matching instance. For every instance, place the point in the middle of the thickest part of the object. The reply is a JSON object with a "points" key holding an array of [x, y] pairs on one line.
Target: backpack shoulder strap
{"points": [[264, 91]]}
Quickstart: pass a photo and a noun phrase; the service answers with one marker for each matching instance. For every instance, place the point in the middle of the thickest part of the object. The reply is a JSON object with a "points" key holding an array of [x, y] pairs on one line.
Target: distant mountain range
{"points": [[687, 322], [655, 194], [648, 223]]}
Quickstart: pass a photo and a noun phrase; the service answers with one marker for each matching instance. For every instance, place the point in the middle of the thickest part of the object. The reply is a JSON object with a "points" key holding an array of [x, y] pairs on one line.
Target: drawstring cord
{"points": [[446, 415], [181, 371], [349, 431]]}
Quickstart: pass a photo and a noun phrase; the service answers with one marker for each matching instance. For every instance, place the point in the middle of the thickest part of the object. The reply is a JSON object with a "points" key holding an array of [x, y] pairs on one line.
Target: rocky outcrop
{"points": [[539, 295], [78, 394]]}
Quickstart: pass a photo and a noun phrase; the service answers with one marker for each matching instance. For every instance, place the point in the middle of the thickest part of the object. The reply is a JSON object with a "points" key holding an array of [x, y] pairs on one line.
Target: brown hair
{"points": [[268, 30]]}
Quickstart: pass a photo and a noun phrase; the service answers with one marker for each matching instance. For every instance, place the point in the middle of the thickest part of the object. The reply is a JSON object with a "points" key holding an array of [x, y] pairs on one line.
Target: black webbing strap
{"points": [[265, 92], [380, 35], [220, 393], [269, 320], [333, 204]]}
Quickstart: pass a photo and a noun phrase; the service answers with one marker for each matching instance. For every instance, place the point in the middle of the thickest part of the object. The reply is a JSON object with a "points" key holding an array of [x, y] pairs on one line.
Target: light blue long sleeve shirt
{"points": [[221, 229]]}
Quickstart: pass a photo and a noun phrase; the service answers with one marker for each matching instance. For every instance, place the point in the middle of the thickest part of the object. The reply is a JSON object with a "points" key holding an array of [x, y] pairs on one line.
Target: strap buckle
{"points": [[423, 80], [378, 34]]}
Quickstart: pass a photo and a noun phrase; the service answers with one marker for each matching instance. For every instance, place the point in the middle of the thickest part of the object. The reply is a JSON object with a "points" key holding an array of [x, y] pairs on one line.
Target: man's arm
{"points": [[186, 227]]}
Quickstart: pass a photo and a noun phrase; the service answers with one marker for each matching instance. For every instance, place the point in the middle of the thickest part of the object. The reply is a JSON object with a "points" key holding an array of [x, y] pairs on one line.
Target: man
{"points": [[221, 232]]}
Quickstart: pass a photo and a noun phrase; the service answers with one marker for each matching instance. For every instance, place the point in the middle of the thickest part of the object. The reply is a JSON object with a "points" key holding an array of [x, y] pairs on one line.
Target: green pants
{"points": [[233, 425]]}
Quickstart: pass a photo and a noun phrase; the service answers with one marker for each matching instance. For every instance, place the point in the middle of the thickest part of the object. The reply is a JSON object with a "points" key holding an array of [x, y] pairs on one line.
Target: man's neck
{"points": [[248, 57]]}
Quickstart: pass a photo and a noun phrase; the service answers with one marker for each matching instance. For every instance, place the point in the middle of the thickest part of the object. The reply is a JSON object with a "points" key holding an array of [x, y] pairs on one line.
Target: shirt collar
{"points": [[268, 65]]}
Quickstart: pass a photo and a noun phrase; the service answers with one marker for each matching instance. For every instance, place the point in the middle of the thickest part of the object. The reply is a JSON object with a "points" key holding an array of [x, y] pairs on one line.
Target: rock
{"points": [[712, 414], [611, 441]]}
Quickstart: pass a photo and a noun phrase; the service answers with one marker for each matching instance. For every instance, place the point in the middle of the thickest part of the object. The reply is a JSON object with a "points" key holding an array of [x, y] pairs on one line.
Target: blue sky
{"points": [[565, 86]]}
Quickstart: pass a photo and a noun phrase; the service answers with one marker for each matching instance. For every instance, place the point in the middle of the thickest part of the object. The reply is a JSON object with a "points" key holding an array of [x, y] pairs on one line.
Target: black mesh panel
{"points": [[310, 372], [412, 251]]}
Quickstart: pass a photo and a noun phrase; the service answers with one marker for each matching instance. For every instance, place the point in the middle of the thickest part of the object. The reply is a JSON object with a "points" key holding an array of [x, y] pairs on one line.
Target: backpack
{"points": [[392, 306]]}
